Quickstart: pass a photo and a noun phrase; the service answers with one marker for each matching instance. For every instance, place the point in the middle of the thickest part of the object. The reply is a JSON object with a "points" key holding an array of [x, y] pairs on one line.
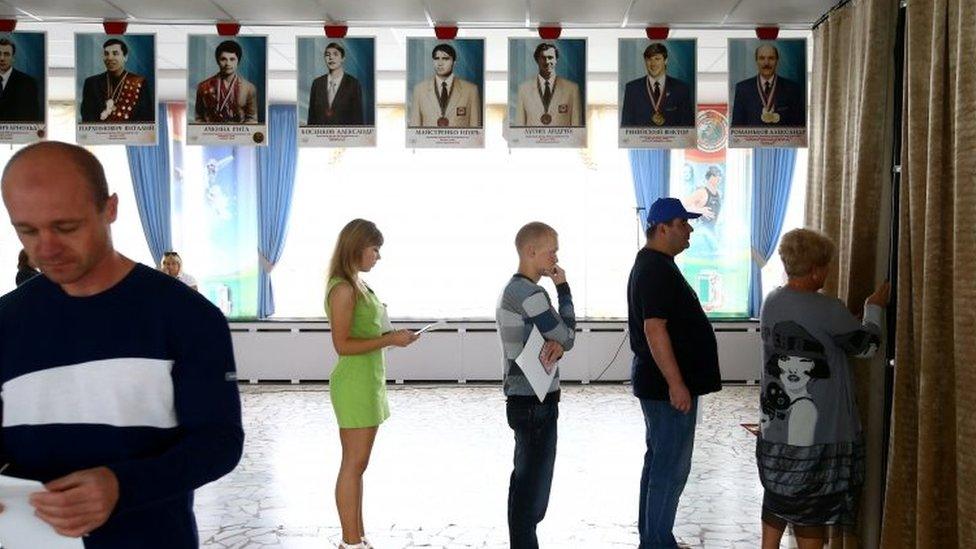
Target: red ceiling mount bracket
{"points": [[445, 32], [767, 33], [8, 25], [115, 27], [657, 33], [228, 28], [550, 32], [335, 30]]}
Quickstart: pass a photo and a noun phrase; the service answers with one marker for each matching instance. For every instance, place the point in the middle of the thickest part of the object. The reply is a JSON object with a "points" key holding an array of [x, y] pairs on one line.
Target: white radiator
{"points": [[466, 351]]}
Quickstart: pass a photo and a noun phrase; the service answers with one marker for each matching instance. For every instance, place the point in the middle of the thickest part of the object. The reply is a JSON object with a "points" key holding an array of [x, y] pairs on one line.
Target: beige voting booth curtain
{"points": [[931, 493], [849, 195]]}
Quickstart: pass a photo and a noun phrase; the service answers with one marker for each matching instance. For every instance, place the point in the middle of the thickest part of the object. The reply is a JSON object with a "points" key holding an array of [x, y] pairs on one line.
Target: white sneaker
{"points": [[367, 544], [360, 545]]}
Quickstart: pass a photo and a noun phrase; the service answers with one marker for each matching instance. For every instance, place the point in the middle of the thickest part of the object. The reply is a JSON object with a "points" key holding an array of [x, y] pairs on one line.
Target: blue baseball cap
{"points": [[665, 209]]}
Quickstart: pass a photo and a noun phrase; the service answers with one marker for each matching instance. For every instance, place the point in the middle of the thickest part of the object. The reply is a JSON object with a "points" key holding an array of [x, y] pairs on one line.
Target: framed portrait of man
{"points": [[336, 91], [226, 90], [115, 88], [445, 92], [768, 92], [23, 87], [656, 92], [547, 92]]}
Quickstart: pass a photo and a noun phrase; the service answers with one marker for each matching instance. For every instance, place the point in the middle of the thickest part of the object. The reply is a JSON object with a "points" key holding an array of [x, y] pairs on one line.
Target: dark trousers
{"points": [[670, 438], [534, 424]]}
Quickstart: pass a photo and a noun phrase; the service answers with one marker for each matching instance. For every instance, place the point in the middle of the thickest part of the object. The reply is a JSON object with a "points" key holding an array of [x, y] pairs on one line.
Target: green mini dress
{"points": [[357, 384]]}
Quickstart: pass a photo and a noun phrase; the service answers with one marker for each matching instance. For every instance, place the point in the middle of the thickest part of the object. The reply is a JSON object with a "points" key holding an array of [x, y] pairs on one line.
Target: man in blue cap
{"points": [[675, 361]]}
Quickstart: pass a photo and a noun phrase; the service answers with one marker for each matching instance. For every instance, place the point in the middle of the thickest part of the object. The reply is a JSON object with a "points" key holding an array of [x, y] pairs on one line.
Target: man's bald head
{"points": [[530, 234], [56, 151]]}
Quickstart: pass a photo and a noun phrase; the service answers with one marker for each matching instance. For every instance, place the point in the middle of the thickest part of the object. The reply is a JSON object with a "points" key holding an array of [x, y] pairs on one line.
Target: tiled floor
{"points": [[439, 473]]}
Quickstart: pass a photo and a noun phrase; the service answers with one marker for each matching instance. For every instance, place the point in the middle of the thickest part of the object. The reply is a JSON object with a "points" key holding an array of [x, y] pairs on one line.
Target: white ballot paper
{"points": [[528, 361], [19, 528], [385, 325], [432, 326]]}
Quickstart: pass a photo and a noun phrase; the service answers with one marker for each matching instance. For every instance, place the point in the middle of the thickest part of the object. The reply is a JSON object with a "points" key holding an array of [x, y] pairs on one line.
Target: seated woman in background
{"points": [[172, 265], [357, 385], [25, 269], [810, 451]]}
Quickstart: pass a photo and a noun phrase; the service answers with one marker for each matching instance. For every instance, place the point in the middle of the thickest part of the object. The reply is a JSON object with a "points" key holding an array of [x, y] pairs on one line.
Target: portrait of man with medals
{"points": [[226, 97], [444, 100], [547, 99], [769, 98], [117, 95], [336, 98], [658, 98]]}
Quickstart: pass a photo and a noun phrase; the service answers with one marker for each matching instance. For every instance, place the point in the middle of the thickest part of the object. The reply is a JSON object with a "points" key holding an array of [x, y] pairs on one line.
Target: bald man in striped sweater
{"points": [[524, 305]]}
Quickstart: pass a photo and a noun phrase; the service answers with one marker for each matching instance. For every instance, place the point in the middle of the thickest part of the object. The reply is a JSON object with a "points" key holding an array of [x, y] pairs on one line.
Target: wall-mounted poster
{"points": [[115, 89], [336, 92], [445, 87], [713, 184], [23, 87], [768, 89], [546, 92], [656, 93], [226, 90]]}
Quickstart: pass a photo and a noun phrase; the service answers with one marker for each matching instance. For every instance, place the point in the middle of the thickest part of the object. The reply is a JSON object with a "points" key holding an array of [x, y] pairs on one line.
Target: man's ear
{"points": [[112, 208]]}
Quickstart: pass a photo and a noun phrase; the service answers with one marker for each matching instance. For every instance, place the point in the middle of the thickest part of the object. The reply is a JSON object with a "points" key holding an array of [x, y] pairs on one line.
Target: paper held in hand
{"points": [[19, 528], [432, 326], [535, 372], [385, 325]]}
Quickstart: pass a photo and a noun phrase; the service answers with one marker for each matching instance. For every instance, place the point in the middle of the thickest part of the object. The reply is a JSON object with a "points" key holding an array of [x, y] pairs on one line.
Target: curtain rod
{"points": [[487, 25], [825, 16]]}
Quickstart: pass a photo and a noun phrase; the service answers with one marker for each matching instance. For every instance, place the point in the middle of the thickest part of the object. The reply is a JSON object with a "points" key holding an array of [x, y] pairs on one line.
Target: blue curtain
{"points": [[772, 176], [150, 171], [276, 181], [651, 170]]}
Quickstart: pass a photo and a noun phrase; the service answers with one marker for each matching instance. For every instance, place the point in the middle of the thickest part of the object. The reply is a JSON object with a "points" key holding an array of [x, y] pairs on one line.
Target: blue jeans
{"points": [[670, 438], [534, 424]]}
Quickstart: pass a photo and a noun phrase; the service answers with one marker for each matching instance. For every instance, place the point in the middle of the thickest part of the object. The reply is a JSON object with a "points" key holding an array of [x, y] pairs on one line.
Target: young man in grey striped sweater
{"points": [[522, 305]]}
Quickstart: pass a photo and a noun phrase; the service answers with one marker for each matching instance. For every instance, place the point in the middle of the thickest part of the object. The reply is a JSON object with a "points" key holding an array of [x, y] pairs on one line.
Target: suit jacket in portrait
{"points": [[20, 100], [240, 108], [676, 107], [346, 108], [132, 102], [463, 105], [565, 106], [789, 102]]}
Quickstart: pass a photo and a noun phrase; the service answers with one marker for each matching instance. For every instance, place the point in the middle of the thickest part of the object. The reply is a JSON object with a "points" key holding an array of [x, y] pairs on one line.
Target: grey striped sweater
{"points": [[523, 304]]}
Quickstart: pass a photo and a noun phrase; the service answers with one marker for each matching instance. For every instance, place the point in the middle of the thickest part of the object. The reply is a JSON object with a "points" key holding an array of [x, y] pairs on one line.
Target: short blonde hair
{"points": [[171, 255], [530, 232], [802, 250]]}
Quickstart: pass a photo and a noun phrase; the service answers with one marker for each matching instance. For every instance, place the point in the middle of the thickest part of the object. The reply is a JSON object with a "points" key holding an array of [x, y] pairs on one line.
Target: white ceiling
{"points": [[384, 13], [392, 21]]}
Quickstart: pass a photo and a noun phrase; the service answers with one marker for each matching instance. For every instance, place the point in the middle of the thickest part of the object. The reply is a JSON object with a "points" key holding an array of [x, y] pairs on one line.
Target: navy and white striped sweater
{"points": [[139, 378]]}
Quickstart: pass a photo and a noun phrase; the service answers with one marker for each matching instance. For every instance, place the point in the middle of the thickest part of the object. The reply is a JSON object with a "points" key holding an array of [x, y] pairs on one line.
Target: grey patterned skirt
{"points": [[811, 485]]}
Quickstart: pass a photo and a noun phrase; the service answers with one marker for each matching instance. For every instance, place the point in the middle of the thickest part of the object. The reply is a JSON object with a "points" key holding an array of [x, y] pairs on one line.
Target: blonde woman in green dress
{"points": [[358, 382]]}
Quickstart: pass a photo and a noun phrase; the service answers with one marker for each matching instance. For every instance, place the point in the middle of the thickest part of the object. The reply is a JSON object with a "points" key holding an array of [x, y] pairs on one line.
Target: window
{"points": [[449, 217], [449, 220], [773, 274]]}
